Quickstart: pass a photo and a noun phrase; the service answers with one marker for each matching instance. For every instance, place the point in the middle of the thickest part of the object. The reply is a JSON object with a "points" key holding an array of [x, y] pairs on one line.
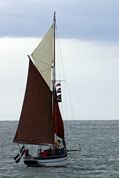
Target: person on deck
{"points": [[58, 144], [45, 153], [58, 147]]}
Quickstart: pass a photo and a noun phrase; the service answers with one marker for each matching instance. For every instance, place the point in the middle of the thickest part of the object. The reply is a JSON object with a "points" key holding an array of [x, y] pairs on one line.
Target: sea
{"points": [[97, 143]]}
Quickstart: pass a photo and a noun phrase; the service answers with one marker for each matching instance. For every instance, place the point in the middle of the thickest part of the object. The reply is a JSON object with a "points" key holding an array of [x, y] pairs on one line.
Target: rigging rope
{"points": [[64, 73]]}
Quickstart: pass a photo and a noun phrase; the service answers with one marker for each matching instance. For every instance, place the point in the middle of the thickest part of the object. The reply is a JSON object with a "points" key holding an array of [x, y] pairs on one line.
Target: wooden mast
{"points": [[54, 75]]}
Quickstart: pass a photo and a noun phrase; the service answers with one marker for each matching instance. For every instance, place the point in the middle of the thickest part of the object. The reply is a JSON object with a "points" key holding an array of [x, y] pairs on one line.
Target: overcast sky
{"points": [[89, 40], [86, 19]]}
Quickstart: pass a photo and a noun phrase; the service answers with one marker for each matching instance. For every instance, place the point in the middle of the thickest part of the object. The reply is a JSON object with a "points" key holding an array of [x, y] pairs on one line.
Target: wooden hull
{"points": [[58, 160]]}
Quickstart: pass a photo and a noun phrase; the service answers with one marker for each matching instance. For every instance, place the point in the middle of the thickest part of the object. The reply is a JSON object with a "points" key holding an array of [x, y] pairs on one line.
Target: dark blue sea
{"points": [[98, 156]]}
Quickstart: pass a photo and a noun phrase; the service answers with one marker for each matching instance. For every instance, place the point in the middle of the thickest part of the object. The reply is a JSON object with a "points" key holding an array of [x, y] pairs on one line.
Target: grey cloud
{"points": [[85, 19]]}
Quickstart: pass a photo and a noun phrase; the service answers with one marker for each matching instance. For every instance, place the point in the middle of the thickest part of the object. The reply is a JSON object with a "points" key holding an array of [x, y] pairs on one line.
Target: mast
{"points": [[54, 74]]}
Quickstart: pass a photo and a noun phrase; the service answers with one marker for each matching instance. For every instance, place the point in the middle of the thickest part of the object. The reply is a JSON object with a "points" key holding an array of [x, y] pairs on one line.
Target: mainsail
{"points": [[40, 118], [36, 124]]}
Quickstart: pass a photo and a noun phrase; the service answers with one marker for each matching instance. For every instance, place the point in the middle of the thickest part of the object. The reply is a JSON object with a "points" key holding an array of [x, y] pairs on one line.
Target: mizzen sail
{"points": [[58, 122], [36, 123]]}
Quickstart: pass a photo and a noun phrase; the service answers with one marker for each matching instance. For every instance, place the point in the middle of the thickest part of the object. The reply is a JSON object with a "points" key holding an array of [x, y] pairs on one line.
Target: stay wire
{"points": [[64, 71]]}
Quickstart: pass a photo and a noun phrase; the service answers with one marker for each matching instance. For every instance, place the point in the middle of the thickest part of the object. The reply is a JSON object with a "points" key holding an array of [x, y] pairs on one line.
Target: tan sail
{"points": [[36, 123], [43, 55]]}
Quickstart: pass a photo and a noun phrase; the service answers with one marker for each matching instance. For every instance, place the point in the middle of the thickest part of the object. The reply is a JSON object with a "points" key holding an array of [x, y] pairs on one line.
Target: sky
{"points": [[88, 32]]}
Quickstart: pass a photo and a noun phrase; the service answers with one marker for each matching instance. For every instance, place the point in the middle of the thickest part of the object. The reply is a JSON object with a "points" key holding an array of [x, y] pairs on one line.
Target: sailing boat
{"points": [[41, 121]]}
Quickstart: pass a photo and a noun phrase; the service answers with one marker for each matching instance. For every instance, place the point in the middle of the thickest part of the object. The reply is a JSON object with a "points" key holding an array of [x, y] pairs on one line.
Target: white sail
{"points": [[43, 55]]}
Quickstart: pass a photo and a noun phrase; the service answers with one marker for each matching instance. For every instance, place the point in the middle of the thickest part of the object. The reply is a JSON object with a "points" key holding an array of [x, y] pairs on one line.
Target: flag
{"points": [[59, 99], [58, 84], [58, 92], [18, 157]]}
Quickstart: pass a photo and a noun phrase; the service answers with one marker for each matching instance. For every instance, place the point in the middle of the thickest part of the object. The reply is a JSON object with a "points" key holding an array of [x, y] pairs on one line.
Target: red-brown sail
{"points": [[36, 123], [58, 122]]}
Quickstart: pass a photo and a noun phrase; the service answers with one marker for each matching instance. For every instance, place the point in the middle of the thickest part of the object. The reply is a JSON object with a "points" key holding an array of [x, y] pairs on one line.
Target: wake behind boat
{"points": [[41, 121]]}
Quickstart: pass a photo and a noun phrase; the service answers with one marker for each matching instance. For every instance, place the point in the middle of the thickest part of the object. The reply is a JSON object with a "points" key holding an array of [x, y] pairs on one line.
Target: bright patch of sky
{"points": [[90, 71]]}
